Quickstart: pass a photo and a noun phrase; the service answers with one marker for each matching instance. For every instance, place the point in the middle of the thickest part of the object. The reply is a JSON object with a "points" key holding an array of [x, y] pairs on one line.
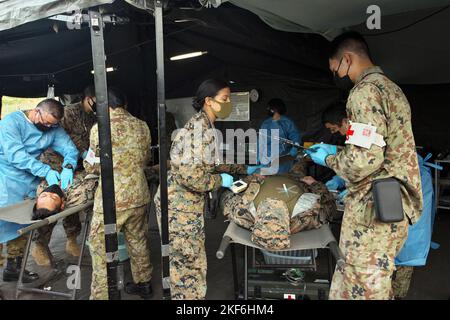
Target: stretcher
{"points": [[321, 238], [21, 213]]}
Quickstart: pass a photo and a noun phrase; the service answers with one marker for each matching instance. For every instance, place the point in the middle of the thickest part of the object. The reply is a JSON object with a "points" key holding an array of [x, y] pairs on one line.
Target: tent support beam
{"points": [[106, 161], [163, 144]]}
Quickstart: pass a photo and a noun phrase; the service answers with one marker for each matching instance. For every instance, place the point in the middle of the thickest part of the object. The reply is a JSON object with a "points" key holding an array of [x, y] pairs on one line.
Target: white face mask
{"points": [[306, 202]]}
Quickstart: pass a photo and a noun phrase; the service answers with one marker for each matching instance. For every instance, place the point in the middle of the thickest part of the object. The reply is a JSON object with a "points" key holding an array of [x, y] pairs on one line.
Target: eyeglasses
{"points": [[46, 123]]}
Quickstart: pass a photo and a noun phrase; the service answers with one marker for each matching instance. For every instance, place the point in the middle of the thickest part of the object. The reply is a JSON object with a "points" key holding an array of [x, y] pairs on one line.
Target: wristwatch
{"points": [[69, 166]]}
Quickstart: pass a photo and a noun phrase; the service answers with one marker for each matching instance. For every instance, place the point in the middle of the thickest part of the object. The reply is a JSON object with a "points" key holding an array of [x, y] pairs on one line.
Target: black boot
{"points": [[143, 289], [12, 271]]}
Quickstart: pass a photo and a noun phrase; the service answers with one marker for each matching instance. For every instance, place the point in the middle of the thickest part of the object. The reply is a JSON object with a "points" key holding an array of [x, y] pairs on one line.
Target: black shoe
{"points": [[12, 271], [142, 289]]}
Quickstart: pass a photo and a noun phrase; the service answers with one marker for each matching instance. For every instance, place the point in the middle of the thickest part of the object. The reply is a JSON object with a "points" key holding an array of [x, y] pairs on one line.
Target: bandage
{"points": [[364, 135], [306, 202]]}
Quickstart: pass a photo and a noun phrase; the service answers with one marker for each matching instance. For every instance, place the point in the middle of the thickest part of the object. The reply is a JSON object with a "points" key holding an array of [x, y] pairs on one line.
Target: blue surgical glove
{"points": [[342, 195], [293, 152], [227, 180], [83, 156], [335, 183], [319, 152], [252, 169], [52, 177], [66, 178]]}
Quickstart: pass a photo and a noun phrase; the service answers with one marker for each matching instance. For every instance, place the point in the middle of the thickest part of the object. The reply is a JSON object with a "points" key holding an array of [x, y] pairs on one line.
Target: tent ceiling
{"points": [[14, 13], [414, 55]]}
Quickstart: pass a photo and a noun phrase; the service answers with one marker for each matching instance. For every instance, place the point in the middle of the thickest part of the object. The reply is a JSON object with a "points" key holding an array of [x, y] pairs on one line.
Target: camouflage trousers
{"points": [[369, 255], [72, 226], [187, 254], [134, 224], [401, 281], [14, 248]]}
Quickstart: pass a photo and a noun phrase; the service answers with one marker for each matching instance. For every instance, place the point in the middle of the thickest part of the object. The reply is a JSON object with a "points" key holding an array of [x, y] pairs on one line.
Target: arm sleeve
{"points": [[194, 172], [148, 143], [294, 133], [94, 146], [232, 168], [327, 202], [15, 151], [354, 163], [65, 147], [198, 178]]}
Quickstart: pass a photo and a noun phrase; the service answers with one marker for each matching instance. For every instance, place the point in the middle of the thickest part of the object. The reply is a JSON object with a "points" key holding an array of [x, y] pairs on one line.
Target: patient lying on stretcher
{"points": [[274, 207], [52, 200]]}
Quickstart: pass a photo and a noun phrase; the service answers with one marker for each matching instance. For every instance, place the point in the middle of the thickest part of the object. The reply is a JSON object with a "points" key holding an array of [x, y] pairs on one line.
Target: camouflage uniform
{"points": [[77, 123], [368, 245], [402, 281], [79, 192], [16, 247], [130, 138], [270, 218], [190, 180]]}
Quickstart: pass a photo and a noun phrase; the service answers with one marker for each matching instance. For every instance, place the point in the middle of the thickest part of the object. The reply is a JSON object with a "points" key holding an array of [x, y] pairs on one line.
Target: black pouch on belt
{"points": [[387, 198]]}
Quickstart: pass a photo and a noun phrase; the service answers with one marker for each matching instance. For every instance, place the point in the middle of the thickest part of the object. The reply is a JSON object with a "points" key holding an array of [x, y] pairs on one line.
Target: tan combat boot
{"points": [[72, 247], [41, 255]]}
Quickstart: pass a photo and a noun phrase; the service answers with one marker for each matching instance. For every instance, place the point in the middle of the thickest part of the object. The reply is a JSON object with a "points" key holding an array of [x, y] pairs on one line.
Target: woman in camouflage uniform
{"points": [[194, 173]]}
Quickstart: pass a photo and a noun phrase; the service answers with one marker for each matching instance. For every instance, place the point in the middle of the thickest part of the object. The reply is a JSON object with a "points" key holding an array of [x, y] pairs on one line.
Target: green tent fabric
{"points": [[14, 13]]}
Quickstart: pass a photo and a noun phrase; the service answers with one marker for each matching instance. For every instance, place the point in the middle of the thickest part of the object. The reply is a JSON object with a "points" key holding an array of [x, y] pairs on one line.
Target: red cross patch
{"points": [[350, 132]]}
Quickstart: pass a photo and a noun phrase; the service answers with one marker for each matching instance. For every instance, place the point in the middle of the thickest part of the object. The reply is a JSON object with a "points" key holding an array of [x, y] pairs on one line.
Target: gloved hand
{"points": [[319, 153], [293, 152], [83, 156], [227, 180], [335, 183], [342, 195], [252, 169], [52, 177], [66, 178]]}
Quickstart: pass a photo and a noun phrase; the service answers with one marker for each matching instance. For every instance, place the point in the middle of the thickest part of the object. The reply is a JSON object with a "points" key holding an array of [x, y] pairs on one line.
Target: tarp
{"points": [[416, 53], [17, 12], [241, 47], [327, 17]]}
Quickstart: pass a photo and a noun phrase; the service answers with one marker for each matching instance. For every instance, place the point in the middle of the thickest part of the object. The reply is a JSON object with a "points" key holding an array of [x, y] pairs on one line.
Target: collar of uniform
{"points": [[374, 69], [204, 115], [119, 111]]}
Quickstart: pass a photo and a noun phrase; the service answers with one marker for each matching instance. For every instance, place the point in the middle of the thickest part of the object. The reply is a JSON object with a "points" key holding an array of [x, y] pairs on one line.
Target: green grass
{"points": [[11, 104]]}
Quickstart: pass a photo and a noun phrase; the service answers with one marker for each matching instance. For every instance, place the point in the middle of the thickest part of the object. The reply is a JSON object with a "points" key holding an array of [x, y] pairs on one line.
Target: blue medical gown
{"points": [[283, 128], [21, 144], [417, 245]]}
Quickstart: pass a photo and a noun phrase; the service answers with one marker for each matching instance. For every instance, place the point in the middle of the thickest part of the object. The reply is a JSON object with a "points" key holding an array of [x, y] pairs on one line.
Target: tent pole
{"points": [[104, 133], [163, 143]]}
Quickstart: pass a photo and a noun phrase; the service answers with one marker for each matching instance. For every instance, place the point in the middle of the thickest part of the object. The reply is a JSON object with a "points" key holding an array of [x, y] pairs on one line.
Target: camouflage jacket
{"points": [[79, 192], [130, 138], [377, 100], [271, 222], [77, 123], [194, 160]]}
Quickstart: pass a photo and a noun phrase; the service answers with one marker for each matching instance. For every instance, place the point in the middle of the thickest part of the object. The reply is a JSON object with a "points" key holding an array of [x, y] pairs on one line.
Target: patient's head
{"points": [[49, 202]]}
